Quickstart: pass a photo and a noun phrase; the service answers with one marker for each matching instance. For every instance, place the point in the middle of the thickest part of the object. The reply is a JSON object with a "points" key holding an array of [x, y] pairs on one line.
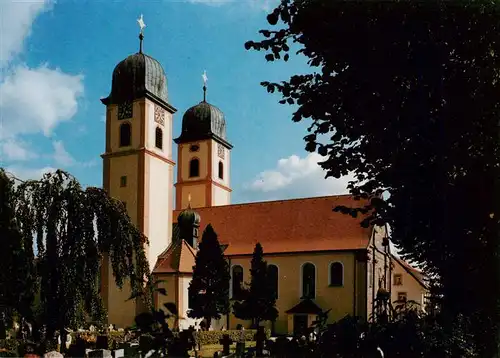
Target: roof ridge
{"points": [[277, 201]]}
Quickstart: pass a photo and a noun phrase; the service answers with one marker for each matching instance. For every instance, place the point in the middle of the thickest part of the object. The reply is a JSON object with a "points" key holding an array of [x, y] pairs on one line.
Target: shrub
{"points": [[115, 338], [9, 347], [213, 337]]}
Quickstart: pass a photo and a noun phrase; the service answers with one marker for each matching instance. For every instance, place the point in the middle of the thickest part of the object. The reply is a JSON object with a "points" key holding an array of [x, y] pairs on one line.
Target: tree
{"points": [[209, 287], [73, 228], [16, 260], [259, 303], [405, 96]]}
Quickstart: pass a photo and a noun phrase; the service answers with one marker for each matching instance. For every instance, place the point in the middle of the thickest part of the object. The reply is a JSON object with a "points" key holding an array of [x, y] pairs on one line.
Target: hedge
{"points": [[214, 337]]}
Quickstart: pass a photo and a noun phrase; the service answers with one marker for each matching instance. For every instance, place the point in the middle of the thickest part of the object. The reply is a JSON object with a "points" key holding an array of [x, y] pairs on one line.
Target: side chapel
{"points": [[318, 259]]}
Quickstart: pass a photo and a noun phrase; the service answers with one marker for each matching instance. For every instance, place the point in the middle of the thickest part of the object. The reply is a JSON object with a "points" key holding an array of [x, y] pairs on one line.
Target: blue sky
{"points": [[57, 58]]}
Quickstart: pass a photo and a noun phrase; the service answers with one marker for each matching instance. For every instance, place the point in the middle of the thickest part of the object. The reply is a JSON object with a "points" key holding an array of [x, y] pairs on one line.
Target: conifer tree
{"points": [[260, 300], [209, 288]]}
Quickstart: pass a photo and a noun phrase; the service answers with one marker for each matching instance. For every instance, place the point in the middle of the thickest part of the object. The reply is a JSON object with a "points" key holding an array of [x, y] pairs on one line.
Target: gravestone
{"points": [[119, 353], [77, 349], [100, 353], [53, 354], [280, 347], [226, 342], [132, 351], [101, 342]]}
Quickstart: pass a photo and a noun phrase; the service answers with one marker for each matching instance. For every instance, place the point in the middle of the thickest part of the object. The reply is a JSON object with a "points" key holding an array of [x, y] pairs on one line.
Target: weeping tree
{"points": [[69, 228], [16, 263]]}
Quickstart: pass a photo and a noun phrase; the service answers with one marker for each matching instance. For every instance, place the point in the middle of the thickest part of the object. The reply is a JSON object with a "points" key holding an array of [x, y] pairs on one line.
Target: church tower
{"points": [[203, 158], [138, 165]]}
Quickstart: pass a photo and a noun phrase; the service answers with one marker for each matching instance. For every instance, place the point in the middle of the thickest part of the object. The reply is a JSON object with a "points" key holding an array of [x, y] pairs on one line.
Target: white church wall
{"points": [[221, 196], [226, 161], [159, 207], [185, 322]]}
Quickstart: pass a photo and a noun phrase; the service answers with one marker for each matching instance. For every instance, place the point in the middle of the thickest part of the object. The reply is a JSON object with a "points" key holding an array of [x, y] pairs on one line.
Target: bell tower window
{"points": [[125, 135], [159, 138], [221, 170], [194, 168]]}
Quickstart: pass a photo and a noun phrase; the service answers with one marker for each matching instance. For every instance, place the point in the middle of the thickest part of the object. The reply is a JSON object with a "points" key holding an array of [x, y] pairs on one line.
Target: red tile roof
{"points": [[285, 226], [177, 258]]}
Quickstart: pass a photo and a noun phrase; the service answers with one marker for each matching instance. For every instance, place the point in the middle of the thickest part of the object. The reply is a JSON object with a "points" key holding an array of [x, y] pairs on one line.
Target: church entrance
{"points": [[299, 324]]}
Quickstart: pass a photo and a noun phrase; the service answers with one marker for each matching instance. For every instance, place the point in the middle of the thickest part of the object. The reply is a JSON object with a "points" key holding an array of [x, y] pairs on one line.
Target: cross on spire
{"points": [[205, 80], [142, 25]]}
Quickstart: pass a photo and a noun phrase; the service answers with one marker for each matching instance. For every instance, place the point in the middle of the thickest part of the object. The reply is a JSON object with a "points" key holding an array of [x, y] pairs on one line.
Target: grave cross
{"points": [[226, 343]]}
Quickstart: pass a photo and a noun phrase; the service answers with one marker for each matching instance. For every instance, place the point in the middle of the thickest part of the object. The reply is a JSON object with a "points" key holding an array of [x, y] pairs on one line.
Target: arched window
{"points": [[237, 282], [308, 280], [221, 170], [125, 135], [159, 138], [272, 271], [194, 168], [336, 274]]}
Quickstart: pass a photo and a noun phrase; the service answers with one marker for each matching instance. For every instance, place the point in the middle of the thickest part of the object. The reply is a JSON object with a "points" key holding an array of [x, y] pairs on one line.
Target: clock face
{"points": [[194, 148], [220, 151], [159, 115], [125, 110]]}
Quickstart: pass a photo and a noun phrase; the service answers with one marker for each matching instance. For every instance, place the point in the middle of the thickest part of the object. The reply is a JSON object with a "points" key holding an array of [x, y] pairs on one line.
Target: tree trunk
{"points": [[208, 321]]}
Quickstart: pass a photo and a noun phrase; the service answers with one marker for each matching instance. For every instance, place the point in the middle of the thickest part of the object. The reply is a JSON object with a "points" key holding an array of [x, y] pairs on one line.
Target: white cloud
{"points": [[296, 177], [25, 173], [211, 2], [37, 100], [61, 155], [16, 150], [265, 5], [16, 19]]}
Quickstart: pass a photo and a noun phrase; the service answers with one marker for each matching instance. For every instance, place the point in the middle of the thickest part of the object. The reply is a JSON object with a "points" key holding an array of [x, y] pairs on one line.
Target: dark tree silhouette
{"points": [[209, 288], [406, 95], [259, 302], [73, 228], [16, 261]]}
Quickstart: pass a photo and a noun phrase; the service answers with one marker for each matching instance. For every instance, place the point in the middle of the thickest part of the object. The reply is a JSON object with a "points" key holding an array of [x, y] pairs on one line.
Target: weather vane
{"points": [[142, 25], [205, 79]]}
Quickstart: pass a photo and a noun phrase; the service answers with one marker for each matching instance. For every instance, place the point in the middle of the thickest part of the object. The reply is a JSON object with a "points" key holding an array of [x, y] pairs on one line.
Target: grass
{"points": [[207, 351]]}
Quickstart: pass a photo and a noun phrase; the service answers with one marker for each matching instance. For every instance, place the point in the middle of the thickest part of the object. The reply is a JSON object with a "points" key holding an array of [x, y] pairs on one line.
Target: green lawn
{"points": [[208, 350]]}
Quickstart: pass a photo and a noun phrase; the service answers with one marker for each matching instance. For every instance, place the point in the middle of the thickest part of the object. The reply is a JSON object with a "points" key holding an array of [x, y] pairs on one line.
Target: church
{"points": [[319, 260]]}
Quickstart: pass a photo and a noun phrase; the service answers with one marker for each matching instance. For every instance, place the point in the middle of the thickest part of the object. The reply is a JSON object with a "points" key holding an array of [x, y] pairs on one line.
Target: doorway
{"points": [[299, 324]]}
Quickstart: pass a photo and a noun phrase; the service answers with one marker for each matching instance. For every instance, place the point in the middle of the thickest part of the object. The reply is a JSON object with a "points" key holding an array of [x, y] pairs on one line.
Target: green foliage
{"points": [[9, 346], [209, 287], [115, 338], [259, 302], [214, 337], [405, 95], [73, 228], [410, 335], [16, 257]]}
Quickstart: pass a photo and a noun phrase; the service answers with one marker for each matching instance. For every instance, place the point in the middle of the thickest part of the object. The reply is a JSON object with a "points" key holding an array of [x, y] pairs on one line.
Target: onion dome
{"points": [[135, 76], [138, 76], [203, 121], [188, 218]]}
